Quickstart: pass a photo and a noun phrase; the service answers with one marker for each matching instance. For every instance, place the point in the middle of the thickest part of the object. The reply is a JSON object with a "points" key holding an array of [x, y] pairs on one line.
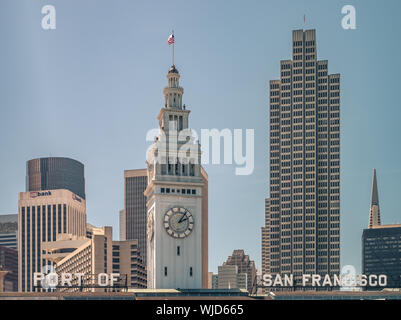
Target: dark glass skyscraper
{"points": [[381, 253], [55, 173], [381, 244]]}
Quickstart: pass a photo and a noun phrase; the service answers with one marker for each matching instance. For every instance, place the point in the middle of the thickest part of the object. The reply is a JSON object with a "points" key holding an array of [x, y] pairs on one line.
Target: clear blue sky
{"points": [[92, 88]]}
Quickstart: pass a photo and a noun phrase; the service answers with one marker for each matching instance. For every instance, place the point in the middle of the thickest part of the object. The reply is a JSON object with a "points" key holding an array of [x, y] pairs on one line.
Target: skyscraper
{"points": [[381, 254], [133, 217], [42, 217], [374, 215], [302, 234], [55, 173], [45, 213]]}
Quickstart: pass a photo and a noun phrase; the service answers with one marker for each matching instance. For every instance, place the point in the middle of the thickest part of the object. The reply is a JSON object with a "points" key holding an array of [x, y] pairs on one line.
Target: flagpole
{"points": [[173, 46]]}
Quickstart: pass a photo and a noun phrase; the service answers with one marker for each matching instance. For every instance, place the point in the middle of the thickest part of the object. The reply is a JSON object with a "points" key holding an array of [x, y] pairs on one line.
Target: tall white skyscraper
{"points": [[302, 231]]}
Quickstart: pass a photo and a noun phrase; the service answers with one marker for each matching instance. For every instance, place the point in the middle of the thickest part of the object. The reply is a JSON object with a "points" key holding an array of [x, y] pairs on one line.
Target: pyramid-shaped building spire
{"points": [[374, 214]]}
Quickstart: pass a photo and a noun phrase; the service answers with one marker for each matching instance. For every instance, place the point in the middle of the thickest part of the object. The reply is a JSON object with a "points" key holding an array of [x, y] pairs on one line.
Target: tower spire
{"points": [[374, 215], [375, 196]]}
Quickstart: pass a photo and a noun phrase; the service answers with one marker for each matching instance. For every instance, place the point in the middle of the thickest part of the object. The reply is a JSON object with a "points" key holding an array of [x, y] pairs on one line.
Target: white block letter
{"points": [[349, 20], [49, 20]]}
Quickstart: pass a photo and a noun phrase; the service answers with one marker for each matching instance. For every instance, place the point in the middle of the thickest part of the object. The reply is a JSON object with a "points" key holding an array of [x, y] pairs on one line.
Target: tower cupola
{"points": [[173, 92]]}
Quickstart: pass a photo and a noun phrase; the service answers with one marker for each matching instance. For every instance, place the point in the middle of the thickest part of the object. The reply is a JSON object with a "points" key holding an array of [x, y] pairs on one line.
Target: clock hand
{"points": [[182, 218]]}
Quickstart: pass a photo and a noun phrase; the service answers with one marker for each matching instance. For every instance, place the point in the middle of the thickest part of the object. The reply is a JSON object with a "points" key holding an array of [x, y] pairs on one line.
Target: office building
{"points": [[381, 245], [128, 261], [95, 255], [8, 269], [133, 217], [302, 234], [43, 215], [381, 253], [229, 277], [55, 173], [55, 251], [9, 231], [92, 257], [245, 265]]}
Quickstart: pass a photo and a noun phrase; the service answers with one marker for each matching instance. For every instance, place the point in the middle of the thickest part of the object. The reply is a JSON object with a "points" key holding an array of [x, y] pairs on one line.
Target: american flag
{"points": [[170, 39]]}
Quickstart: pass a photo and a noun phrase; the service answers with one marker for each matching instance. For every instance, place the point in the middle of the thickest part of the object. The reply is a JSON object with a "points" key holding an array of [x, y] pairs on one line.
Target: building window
{"points": [[28, 244], [59, 218], [33, 239], [64, 218], [54, 222], [190, 272], [49, 227], [43, 223], [178, 250], [165, 271], [163, 169]]}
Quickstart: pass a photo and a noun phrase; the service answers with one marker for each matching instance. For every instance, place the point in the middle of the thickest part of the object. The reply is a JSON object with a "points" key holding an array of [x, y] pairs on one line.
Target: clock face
{"points": [[178, 222]]}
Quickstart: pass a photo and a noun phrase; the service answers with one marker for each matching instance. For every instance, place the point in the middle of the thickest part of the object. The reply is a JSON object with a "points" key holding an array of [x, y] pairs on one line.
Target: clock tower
{"points": [[176, 199]]}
